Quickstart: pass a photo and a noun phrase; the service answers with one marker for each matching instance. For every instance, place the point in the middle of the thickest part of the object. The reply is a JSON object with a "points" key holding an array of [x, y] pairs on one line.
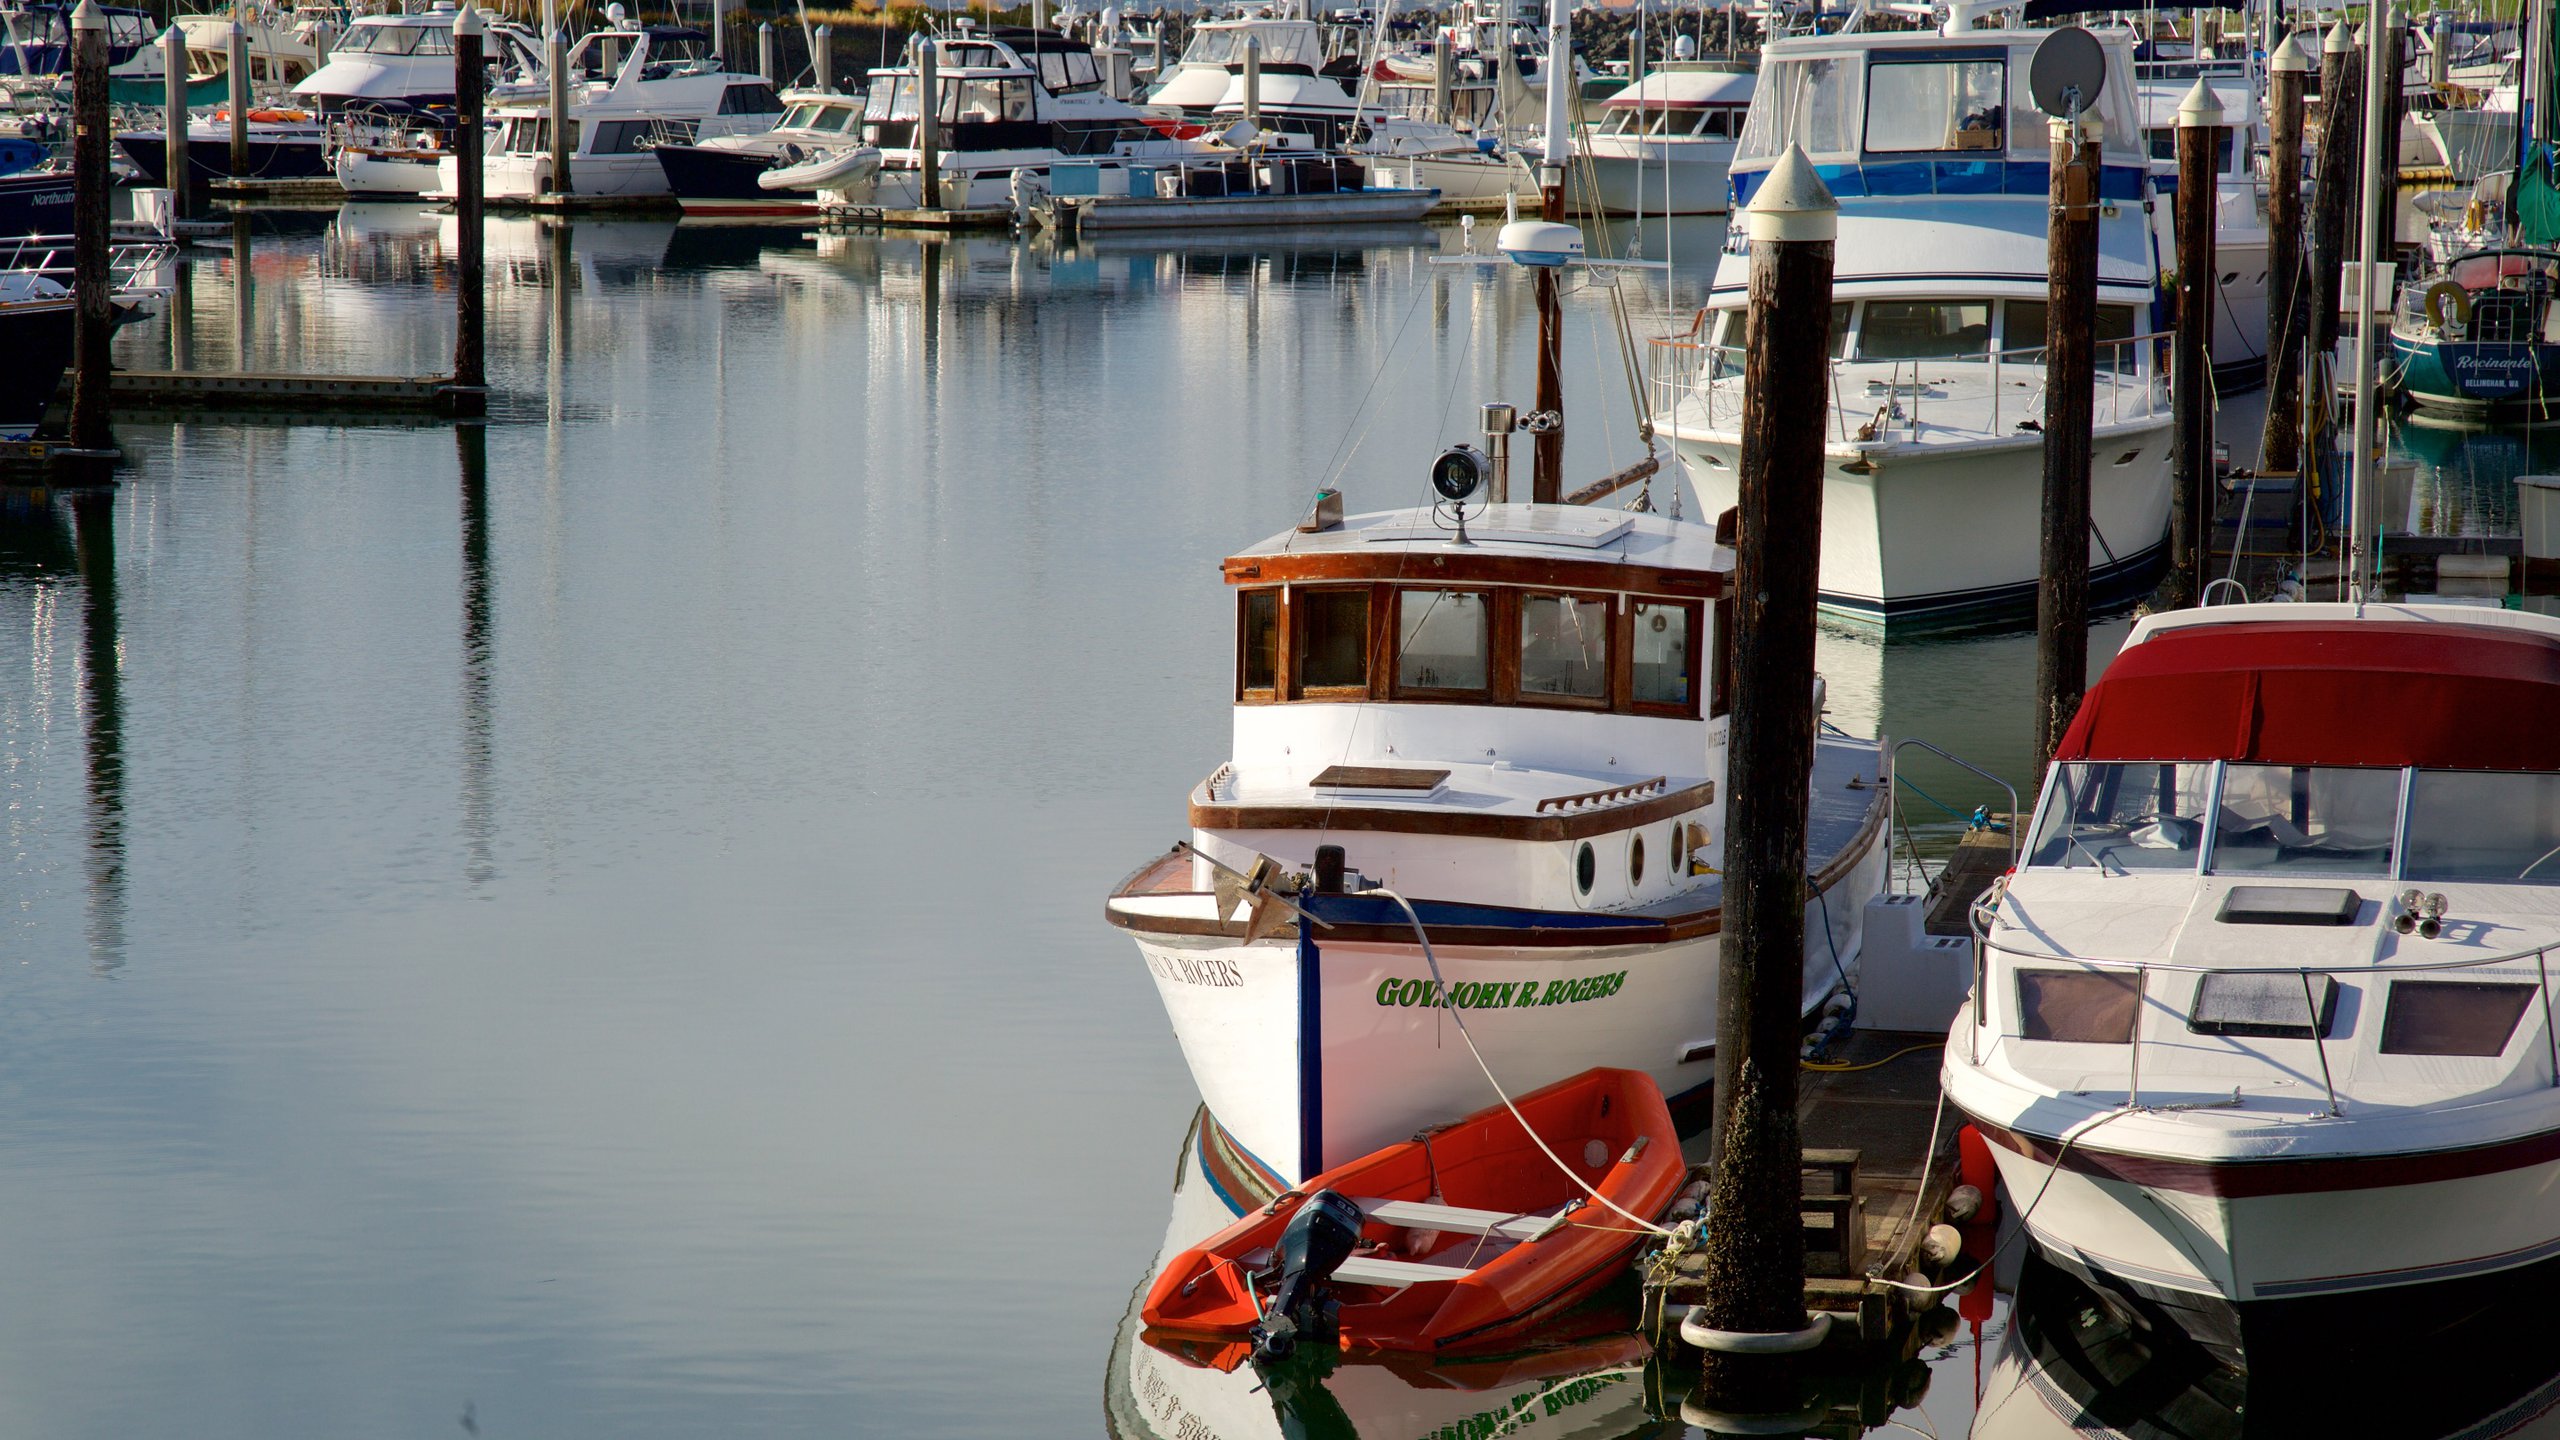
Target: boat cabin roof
{"points": [[1685, 86], [1869, 99], [1534, 545], [2399, 685]]}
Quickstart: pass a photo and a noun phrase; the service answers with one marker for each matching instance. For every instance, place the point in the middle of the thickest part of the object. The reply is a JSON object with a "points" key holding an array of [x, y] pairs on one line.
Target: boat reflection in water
{"points": [[1591, 1380], [2072, 1365]]}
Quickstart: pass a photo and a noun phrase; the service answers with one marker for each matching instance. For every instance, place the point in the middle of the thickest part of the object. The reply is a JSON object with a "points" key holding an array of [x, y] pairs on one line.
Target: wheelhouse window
{"points": [[1662, 657], [2089, 1007], [1923, 329], [751, 98], [1331, 640], [1258, 644], [2481, 826], [1812, 101], [2122, 816], [1444, 640], [2452, 1017], [2305, 820], [1564, 646], [1927, 106], [2022, 334]]}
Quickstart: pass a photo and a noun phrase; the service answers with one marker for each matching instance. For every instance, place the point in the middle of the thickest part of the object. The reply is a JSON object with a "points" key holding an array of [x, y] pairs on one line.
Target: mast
{"points": [[2360, 492], [1546, 485]]}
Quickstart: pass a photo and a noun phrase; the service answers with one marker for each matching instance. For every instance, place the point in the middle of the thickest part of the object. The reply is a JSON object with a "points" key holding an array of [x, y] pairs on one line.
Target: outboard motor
{"points": [[1314, 1244]]}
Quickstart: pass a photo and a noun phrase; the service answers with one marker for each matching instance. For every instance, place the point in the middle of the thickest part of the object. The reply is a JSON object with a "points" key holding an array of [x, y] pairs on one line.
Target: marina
{"points": [[1746, 745]]}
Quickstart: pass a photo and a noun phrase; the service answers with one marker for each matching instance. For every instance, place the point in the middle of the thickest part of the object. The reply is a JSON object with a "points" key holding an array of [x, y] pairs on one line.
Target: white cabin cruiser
{"points": [[1664, 144], [2261, 1030], [1013, 101], [1933, 463], [409, 59], [1525, 734], [630, 89], [2240, 214], [1304, 90], [726, 175]]}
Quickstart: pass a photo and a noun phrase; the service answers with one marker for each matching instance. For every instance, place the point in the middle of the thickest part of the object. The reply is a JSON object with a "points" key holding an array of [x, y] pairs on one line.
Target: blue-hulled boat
{"points": [[2478, 337]]}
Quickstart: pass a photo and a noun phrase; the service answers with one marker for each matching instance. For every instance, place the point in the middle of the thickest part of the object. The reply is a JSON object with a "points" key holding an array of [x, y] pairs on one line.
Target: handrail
{"points": [[1688, 367], [1893, 779], [1613, 795]]}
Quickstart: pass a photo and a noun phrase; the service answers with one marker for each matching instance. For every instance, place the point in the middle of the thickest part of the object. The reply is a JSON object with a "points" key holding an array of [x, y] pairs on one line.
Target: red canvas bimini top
{"points": [[2352, 692]]}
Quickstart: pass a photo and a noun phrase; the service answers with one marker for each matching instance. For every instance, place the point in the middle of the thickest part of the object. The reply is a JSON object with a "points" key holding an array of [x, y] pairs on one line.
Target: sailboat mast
{"points": [[2360, 483]]}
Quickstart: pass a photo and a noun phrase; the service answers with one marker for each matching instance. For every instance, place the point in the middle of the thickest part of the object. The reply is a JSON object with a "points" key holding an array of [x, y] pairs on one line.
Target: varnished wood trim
{"points": [[1405, 567], [1370, 818]]}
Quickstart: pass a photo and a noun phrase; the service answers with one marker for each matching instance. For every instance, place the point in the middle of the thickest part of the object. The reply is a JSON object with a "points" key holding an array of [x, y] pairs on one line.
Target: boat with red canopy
{"points": [[1467, 1234], [2263, 1024]]}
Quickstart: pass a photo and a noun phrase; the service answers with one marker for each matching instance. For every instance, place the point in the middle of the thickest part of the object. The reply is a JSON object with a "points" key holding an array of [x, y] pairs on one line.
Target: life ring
{"points": [[2446, 295]]}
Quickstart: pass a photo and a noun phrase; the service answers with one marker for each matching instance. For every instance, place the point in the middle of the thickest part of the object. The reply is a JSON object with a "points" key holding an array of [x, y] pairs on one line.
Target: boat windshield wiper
{"points": [[2101, 865]]}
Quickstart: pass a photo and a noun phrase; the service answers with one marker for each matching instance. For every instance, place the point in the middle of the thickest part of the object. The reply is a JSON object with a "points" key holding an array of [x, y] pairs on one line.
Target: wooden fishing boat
{"points": [[1467, 1234]]}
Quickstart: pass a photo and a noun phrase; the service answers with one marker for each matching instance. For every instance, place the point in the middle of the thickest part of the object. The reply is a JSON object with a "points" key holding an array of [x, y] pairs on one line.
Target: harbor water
{"points": [[590, 924]]}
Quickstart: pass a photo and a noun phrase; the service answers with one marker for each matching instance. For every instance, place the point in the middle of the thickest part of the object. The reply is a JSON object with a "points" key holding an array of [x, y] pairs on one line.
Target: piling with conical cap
{"points": [[2333, 188], [93, 297], [2287, 311], [2070, 376], [1755, 1268], [2191, 362]]}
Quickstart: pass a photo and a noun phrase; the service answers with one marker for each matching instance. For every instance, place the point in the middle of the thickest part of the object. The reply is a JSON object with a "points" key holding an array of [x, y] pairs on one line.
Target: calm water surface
{"points": [[591, 926]]}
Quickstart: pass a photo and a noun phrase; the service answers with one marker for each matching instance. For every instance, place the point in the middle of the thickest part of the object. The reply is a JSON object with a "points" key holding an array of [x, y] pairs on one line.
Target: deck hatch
{"points": [[1377, 777], [2266, 1005], [2289, 905]]}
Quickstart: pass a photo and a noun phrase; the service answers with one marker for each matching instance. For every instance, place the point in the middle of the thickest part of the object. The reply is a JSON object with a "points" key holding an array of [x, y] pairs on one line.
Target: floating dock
{"points": [[976, 217], [235, 390], [306, 190]]}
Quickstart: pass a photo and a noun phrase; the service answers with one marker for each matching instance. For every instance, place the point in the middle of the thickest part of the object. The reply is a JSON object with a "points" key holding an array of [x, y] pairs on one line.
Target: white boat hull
{"points": [[1942, 533], [1668, 179], [1392, 1061], [368, 176]]}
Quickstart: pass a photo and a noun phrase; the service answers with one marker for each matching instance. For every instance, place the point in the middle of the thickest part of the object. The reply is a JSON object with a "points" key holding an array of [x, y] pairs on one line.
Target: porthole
{"points": [[1635, 860], [1679, 848], [1586, 868]]}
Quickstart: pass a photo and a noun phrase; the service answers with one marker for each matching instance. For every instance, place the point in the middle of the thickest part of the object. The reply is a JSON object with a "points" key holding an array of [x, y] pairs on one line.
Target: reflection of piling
{"points": [[2286, 307], [93, 291], [1755, 1249], [2332, 195], [173, 128], [469, 296], [2070, 378], [239, 74], [102, 694], [2191, 366], [479, 629]]}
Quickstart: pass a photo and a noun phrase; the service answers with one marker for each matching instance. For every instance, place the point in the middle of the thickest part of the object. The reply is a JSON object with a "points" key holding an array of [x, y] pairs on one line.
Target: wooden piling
{"points": [[173, 94], [764, 51], [2380, 157], [556, 61], [2333, 190], [1546, 431], [822, 58], [1252, 81], [470, 374], [237, 64], [93, 292], [1755, 1251], [2391, 114], [2200, 129], [2070, 371], [928, 127], [1443, 91], [2287, 311]]}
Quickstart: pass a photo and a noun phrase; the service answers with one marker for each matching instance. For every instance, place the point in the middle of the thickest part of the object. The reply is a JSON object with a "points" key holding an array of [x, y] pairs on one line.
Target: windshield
{"points": [[1809, 102], [2474, 826], [2125, 816], [397, 40], [2305, 820]]}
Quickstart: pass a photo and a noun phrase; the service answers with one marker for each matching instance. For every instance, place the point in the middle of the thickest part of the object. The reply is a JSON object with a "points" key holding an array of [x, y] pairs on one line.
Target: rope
{"points": [[1837, 1069], [1448, 1000], [1976, 1273]]}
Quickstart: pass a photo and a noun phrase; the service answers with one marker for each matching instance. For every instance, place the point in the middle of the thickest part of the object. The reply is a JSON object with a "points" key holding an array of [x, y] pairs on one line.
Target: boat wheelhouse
{"points": [[1663, 144], [2263, 1023], [1525, 734], [1933, 454]]}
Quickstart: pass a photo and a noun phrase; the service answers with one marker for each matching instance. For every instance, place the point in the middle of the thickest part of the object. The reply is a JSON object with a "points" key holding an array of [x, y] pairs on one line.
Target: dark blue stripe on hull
{"points": [[269, 159], [2121, 583], [35, 204]]}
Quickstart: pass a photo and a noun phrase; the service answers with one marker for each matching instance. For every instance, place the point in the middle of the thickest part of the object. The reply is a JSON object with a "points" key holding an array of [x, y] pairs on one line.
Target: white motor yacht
{"points": [[408, 59], [1664, 143], [1934, 452], [2261, 1030], [725, 175], [1524, 733], [631, 88]]}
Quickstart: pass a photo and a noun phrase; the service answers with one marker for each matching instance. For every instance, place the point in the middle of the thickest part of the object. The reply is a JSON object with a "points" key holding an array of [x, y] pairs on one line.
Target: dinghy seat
{"points": [[1417, 1215], [1396, 1274]]}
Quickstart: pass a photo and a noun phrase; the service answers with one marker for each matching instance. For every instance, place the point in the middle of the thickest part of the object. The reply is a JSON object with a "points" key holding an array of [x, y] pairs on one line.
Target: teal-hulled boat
{"points": [[2481, 336]]}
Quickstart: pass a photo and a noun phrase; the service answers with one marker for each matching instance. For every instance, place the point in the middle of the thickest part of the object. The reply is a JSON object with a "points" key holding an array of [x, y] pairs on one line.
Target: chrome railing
{"points": [[1893, 779], [136, 269], [1686, 368], [2143, 970]]}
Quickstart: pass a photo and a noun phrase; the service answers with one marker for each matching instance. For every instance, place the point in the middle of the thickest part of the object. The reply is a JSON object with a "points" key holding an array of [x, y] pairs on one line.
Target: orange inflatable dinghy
{"points": [[1467, 1236]]}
